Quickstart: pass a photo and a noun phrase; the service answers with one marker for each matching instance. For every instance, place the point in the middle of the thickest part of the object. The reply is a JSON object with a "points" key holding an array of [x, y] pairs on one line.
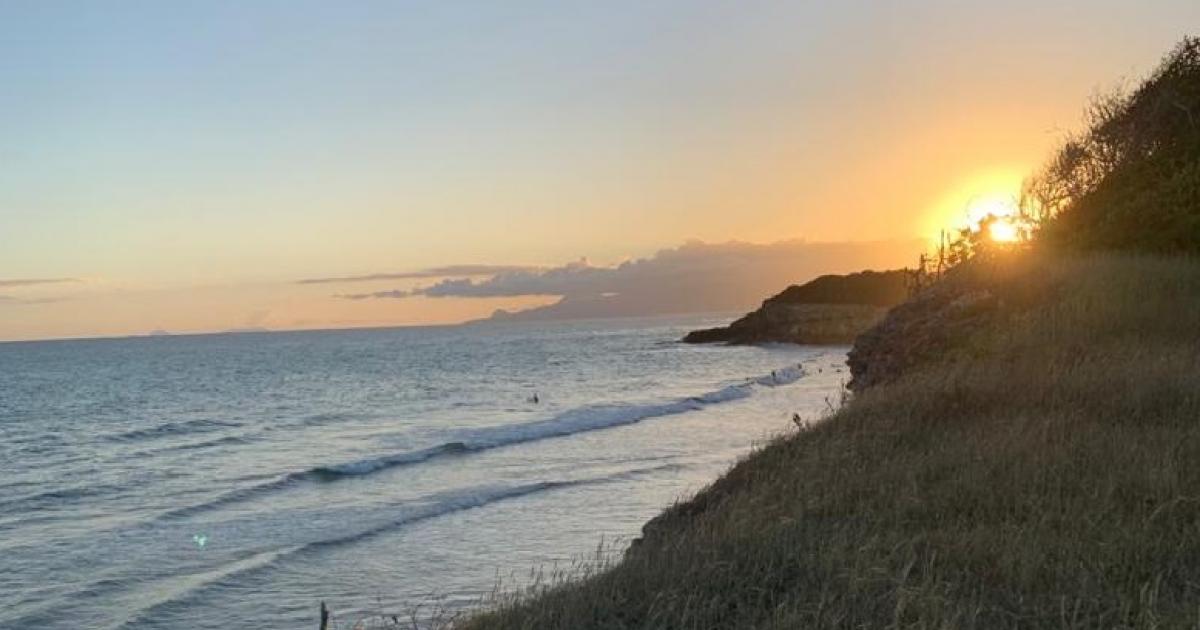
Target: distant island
{"points": [[830, 309]]}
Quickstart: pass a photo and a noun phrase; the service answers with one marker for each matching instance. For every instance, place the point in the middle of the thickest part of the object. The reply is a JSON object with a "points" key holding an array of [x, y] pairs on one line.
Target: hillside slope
{"points": [[1042, 474]]}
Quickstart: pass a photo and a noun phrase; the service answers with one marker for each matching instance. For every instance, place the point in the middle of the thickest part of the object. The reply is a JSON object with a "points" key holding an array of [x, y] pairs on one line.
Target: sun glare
{"points": [[1004, 231], [997, 213], [991, 192]]}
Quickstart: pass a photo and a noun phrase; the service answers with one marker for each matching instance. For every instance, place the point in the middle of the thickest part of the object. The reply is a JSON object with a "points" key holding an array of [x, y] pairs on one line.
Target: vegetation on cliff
{"points": [[875, 288], [829, 309], [1131, 180]]}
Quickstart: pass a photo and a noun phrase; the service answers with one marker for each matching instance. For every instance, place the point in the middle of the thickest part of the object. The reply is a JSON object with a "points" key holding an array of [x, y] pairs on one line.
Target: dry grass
{"points": [[1048, 476]]}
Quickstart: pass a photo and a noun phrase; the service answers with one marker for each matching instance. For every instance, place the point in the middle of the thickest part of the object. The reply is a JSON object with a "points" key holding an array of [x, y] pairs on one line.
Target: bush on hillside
{"points": [[1131, 180]]}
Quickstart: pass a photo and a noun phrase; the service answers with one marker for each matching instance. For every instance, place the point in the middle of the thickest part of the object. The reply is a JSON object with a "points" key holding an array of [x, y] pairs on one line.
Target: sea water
{"points": [[238, 480]]}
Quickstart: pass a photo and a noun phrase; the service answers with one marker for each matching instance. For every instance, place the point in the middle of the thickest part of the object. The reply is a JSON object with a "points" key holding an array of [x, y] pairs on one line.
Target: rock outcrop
{"points": [[926, 326], [830, 309], [795, 323], [940, 320]]}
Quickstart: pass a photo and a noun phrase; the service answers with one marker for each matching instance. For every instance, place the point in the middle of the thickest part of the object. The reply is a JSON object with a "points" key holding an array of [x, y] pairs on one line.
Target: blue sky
{"points": [[153, 146]]}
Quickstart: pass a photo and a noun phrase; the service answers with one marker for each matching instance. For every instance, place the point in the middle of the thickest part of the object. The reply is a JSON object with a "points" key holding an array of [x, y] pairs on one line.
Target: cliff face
{"points": [[795, 323], [923, 328], [830, 309], [938, 322]]}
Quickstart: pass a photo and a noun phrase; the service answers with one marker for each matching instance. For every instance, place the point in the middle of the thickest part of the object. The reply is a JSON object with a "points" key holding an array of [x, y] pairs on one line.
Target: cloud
{"points": [[397, 293], [468, 271], [29, 282], [9, 299], [695, 277], [577, 278]]}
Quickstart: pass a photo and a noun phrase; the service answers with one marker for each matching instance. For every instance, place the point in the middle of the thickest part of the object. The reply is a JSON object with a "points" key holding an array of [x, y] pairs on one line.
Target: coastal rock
{"points": [[940, 319], [921, 328], [830, 309], [795, 323]]}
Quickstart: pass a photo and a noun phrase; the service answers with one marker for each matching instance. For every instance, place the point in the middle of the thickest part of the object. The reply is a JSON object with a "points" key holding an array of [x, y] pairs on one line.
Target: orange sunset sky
{"points": [[188, 166]]}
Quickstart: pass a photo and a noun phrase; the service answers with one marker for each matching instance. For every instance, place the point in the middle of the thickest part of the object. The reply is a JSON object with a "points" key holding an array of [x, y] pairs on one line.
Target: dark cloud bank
{"points": [[694, 278]]}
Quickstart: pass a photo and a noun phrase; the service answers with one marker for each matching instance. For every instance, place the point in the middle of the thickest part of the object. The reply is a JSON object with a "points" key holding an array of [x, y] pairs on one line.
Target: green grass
{"points": [[1047, 475]]}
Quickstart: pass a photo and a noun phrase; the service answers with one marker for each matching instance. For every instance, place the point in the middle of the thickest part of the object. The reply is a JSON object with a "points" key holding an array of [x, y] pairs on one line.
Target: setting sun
{"points": [[997, 213], [1004, 230], [990, 205], [988, 192]]}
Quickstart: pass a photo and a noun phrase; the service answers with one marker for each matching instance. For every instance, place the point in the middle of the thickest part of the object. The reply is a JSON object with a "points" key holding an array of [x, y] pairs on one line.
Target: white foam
{"points": [[783, 376]]}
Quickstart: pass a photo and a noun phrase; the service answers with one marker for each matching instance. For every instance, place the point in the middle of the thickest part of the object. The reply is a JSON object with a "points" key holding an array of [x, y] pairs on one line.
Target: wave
{"points": [[320, 419], [434, 506], [783, 376], [57, 497], [368, 466], [172, 589], [173, 428], [234, 496], [194, 583], [229, 440], [571, 422], [443, 504]]}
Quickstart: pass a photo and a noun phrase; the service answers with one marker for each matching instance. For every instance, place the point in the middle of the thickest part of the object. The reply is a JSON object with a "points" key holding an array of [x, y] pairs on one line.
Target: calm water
{"points": [[236, 480]]}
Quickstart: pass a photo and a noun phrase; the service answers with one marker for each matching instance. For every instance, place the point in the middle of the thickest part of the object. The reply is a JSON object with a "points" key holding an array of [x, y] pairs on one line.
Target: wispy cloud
{"points": [[577, 278], [397, 293], [20, 283], [29, 282], [9, 299], [460, 271]]}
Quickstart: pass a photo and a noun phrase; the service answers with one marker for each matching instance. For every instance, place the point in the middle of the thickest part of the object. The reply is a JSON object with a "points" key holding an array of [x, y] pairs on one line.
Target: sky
{"points": [[184, 166]]}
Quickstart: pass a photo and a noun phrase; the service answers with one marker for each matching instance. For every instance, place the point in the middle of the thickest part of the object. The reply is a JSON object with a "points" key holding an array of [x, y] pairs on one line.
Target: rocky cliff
{"points": [[937, 323], [830, 309]]}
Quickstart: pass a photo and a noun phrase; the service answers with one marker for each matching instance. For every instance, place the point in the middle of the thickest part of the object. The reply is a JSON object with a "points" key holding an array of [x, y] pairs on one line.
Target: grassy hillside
{"points": [[1043, 475]]}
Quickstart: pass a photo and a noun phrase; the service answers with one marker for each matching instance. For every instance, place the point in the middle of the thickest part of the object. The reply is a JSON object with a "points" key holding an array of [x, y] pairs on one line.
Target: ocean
{"points": [[237, 480]]}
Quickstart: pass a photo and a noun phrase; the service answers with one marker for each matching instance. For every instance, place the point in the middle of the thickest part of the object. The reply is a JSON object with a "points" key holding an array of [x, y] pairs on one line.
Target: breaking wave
{"points": [[434, 506], [570, 422]]}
